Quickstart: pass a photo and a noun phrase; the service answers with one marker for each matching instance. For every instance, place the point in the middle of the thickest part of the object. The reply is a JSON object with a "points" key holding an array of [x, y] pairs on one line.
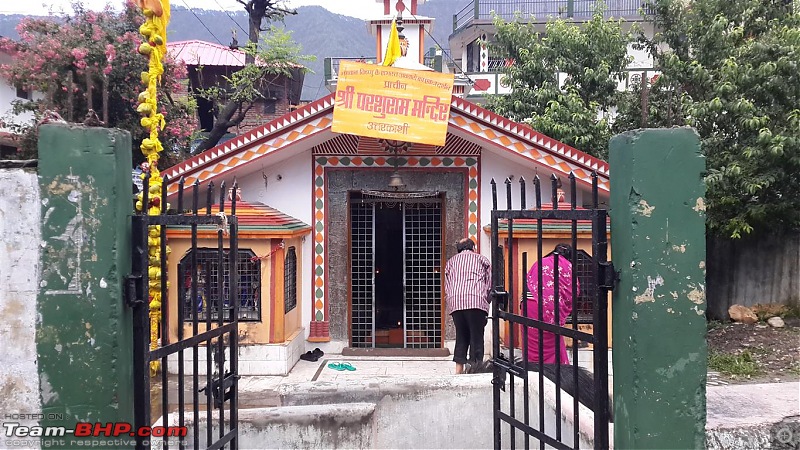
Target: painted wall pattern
{"points": [[321, 163]]}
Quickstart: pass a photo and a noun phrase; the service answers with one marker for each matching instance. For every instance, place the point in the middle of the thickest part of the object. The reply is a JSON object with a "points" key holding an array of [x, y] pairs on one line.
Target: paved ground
{"points": [[256, 390], [747, 409]]}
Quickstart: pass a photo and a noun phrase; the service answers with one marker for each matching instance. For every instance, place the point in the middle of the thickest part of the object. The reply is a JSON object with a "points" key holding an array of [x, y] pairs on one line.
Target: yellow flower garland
{"points": [[154, 31]]}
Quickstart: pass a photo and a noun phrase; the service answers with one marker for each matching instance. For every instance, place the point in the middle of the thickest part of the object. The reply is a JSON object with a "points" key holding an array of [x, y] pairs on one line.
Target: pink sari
{"points": [[548, 311]]}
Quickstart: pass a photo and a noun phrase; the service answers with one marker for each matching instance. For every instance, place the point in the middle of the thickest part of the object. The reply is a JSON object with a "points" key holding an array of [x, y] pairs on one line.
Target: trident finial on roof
{"points": [[238, 194]]}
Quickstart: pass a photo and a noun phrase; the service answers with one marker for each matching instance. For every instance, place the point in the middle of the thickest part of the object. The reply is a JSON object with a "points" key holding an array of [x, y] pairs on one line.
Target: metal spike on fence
{"points": [[494, 194], [181, 183], [508, 193], [209, 197], [222, 196], [164, 182], [573, 190]]}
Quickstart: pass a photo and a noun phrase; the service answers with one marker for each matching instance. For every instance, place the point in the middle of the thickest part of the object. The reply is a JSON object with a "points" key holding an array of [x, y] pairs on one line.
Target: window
{"points": [[208, 286], [270, 105], [290, 280], [7, 151], [22, 93], [473, 57]]}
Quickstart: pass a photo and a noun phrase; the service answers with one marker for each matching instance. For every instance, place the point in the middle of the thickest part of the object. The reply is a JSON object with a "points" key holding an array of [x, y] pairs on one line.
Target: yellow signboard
{"points": [[390, 103]]}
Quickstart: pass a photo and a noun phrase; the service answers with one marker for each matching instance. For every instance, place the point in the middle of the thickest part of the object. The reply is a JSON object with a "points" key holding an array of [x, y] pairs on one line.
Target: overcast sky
{"points": [[363, 9]]}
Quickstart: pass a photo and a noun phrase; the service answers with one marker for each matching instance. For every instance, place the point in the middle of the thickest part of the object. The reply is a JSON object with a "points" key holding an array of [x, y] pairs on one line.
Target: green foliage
{"points": [[741, 364], [714, 325], [278, 56], [730, 70], [564, 81]]}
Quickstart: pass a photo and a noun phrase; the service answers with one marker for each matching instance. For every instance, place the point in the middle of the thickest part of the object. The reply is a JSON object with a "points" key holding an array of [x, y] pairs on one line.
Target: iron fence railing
{"points": [[543, 9]]}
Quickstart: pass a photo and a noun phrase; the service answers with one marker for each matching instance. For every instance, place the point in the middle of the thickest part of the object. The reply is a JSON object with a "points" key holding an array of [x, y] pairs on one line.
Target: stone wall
{"points": [[19, 270]]}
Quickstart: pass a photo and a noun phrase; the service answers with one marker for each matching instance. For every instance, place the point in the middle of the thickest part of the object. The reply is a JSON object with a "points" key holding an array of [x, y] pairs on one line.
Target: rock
{"points": [[742, 314], [776, 322]]}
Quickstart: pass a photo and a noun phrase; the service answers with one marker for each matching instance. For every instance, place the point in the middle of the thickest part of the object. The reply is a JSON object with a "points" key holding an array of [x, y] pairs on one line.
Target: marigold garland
{"points": [[154, 31]]}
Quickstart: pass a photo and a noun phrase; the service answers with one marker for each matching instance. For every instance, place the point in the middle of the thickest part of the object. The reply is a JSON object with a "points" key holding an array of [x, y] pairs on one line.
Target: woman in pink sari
{"points": [[548, 300]]}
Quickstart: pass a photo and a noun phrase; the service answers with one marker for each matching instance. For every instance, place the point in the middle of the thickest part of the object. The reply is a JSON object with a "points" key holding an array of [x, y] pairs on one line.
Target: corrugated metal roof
{"points": [[258, 216], [253, 217], [202, 53], [525, 226]]}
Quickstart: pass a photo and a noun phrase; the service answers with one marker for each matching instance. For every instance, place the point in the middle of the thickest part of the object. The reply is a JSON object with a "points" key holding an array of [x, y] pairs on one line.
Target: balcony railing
{"points": [[332, 64], [494, 82], [543, 9]]}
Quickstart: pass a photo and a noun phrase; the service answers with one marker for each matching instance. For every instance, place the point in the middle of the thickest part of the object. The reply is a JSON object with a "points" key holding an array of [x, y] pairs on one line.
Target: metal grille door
{"points": [[206, 323], [521, 420], [362, 268], [423, 275]]}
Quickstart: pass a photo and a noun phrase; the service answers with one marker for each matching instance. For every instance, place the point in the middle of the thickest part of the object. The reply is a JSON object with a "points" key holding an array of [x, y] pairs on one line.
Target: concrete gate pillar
{"points": [[84, 331], [659, 325]]}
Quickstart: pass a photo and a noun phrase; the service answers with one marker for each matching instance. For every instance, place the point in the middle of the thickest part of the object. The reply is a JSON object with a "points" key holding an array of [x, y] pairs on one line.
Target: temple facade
{"points": [[374, 220]]}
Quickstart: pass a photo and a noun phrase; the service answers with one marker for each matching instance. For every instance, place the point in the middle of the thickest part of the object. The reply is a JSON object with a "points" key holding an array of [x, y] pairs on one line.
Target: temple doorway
{"points": [[396, 261]]}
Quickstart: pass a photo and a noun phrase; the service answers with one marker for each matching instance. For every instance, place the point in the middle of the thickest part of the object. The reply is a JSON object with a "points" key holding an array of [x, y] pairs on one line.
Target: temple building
{"points": [[367, 223]]}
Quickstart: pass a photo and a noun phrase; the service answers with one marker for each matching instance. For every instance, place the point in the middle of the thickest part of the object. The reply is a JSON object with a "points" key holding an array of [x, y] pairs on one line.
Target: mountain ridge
{"points": [[343, 36]]}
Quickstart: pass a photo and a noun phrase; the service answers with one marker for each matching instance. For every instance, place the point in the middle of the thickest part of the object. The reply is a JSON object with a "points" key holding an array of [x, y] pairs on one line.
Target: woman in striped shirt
{"points": [[466, 287]]}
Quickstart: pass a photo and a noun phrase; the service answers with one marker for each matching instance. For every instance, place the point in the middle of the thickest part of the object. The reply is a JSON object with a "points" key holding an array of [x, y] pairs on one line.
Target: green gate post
{"points": [[659, 325], [84, 333]]}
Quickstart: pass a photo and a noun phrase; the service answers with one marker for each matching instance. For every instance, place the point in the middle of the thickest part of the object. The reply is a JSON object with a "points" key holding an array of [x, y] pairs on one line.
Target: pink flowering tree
{"points": [[75, 61]]}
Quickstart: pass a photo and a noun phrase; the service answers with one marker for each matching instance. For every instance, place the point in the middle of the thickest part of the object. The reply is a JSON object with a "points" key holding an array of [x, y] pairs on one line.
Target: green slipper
{"points": [[347, 366], [337, 366]]}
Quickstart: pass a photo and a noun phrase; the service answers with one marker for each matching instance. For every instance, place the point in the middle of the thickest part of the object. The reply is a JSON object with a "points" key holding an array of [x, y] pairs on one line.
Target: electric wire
{"points": [[232, 19], [321, 83], [202, 23]]}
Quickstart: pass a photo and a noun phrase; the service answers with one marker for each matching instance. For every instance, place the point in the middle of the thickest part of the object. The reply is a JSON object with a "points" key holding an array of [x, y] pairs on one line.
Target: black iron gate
{"points": [[206, 309], [565, 296]]}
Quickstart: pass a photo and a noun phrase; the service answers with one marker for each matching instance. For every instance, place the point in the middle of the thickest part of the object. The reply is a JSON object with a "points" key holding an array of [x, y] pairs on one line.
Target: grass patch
{"points": [[713, 325], [795, 369], [742, 364]]}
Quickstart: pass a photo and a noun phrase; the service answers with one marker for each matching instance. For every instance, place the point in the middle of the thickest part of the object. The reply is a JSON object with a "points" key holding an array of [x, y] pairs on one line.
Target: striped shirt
{"points": [[467, 282]]}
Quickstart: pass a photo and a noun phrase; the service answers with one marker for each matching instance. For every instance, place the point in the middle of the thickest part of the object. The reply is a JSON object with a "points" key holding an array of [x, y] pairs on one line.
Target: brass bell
{"points": [[396, 181]]}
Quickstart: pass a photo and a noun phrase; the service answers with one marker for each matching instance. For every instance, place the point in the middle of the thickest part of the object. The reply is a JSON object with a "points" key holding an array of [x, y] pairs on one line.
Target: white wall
{"points": [[19, 271], [292, 195], [8, 94], [447, 413], [411, 32], [641, 59], [499, 167]]}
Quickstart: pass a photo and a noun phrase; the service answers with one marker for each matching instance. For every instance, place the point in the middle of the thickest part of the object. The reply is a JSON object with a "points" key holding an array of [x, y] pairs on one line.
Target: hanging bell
{"points": [[396, 181]]}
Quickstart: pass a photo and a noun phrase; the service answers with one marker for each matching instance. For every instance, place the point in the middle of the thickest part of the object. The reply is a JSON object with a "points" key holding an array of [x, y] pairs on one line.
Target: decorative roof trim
{"points": [[469, 117]]}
